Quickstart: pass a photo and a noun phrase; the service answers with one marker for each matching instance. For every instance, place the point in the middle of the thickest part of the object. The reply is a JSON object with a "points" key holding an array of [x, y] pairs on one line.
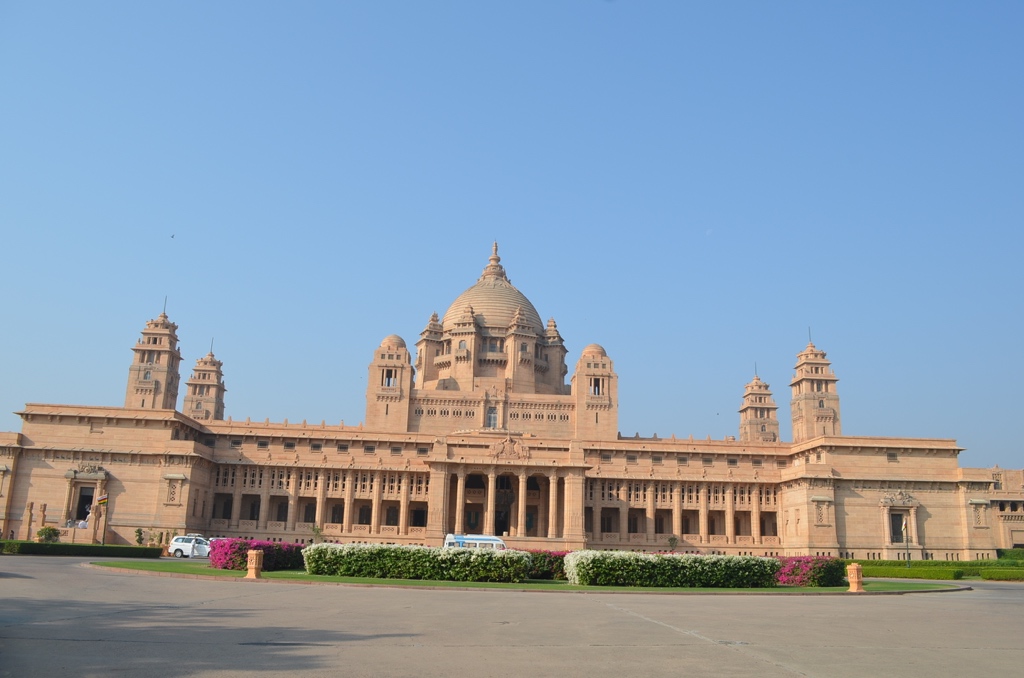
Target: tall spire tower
{"points": [[759, 420], [815, 402], [153, 375], [204, 392]]}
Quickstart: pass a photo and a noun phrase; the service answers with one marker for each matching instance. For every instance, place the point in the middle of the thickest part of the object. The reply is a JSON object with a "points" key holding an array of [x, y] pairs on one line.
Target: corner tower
{"points": [[153, 375], [595, 388], [204, 392], [758, 414], [815, 403], [389, 386]]}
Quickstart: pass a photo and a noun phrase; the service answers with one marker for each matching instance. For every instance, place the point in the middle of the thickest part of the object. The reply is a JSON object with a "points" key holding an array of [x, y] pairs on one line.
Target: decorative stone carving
{"points": [[510, 449], [899, 498]]}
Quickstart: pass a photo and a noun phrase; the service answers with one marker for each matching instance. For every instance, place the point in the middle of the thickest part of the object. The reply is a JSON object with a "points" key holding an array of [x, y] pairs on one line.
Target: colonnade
{"points": [[324, 487], [678, 497], [522, 475]]}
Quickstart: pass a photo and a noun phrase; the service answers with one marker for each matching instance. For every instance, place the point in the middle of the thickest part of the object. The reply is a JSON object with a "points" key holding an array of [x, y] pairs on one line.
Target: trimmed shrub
{"points": [[1003, 574], [811, 571], [904, 572], [970, 568], [233, 554], [547, 565], [48, 535], [1010, 554], [89, 550], [393, 561], [624, 568]]}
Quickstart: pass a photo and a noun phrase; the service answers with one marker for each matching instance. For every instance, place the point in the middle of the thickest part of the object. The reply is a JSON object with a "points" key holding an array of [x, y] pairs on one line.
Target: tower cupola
{"points": [[758, 414], [153, 375], [204, 392], [815, 401]]}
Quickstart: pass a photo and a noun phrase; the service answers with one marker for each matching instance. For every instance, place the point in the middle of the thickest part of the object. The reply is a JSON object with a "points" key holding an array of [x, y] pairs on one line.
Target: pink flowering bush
{"points": [[811, 571], [233, 554], [547, 565]]}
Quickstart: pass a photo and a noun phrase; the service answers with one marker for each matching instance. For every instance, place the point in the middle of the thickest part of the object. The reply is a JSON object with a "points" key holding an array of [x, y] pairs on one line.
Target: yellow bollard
{"points": [[855, 573], [255, 563]]}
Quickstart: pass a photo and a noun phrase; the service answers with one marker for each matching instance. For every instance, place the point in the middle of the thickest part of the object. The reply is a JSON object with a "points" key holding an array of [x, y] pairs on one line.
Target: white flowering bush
{"points": [[625, 568], [394, 561]]}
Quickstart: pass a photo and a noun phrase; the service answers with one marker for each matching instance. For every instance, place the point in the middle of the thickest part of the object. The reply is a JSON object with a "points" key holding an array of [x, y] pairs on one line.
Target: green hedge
{"points": [[624, 568], [904, 572], [389, 561], [970, 568], [59, 549], [1003, 574], [1010, 554]]}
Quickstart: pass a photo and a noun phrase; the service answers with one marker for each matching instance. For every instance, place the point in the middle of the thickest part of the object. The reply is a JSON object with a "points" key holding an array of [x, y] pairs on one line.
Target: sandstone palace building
{"points": [[489, 425]]}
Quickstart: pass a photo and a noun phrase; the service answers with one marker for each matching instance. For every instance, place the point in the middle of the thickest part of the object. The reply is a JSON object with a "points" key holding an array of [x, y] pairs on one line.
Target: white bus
{"points": [[473, 541]]}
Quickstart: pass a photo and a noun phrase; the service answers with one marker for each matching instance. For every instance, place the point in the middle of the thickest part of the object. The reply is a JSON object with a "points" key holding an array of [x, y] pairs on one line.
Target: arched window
{"points": [[147, 375], [821, 403], [462, 344]]}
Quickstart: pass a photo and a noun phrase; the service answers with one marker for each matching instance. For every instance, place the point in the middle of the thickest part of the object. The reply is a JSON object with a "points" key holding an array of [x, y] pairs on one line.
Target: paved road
{"points": [[60, 619]]}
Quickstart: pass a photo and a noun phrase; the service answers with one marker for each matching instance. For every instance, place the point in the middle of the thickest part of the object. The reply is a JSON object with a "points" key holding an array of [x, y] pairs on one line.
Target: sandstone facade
{"points": [[484, 429]]}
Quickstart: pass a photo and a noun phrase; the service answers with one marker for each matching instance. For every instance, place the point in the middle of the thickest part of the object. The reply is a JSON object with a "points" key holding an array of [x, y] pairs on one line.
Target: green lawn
{"points": [[202, 567]]}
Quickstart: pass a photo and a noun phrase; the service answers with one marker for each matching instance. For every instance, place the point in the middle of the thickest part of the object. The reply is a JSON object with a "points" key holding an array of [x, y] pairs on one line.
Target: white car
{"points": [[189, 547]]}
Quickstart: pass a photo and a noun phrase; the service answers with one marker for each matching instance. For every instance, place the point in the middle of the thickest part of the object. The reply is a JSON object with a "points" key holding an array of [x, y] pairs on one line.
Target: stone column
{"points": [[68, 496], [350, 497], [912, 527], [264, 514], [572, 525], [293, 500], [492, 488], [438, 493], [553, 505], [705, 534], [321, 496], [886, 534], [652, 488], [755, 513], [521, 505], [730, 514], [677, 510], [378, 481], [623, 502], [596, 505], [403, 505], [236, 500], [26, 522], [460, 502], [542, 512]]}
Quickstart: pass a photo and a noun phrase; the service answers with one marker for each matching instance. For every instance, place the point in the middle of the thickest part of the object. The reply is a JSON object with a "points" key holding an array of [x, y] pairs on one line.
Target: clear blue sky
{"points": [[691, 185]]}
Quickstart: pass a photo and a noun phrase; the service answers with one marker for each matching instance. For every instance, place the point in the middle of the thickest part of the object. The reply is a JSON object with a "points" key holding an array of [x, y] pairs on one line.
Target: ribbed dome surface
{"points": [[494, 300], [392, 341]]}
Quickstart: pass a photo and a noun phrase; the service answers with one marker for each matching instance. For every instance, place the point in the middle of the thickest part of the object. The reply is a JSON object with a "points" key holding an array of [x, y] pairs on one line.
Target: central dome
{"points": [[494, 300]]}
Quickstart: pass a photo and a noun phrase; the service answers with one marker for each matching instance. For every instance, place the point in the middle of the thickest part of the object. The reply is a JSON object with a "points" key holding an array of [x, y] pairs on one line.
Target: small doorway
{"points": [[897, 523], [84, 506]]}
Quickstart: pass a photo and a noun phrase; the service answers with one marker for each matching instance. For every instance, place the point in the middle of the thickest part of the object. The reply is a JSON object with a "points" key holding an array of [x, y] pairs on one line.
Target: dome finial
{"points": [[494, 268]]}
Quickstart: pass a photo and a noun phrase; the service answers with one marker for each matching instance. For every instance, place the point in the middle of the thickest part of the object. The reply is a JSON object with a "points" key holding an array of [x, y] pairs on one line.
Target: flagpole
{"points": [[101, 503], [906, 539]]}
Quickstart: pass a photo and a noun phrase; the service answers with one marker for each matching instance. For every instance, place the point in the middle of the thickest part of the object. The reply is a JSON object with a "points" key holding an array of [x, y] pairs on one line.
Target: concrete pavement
{"points": [[58, 618]]}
